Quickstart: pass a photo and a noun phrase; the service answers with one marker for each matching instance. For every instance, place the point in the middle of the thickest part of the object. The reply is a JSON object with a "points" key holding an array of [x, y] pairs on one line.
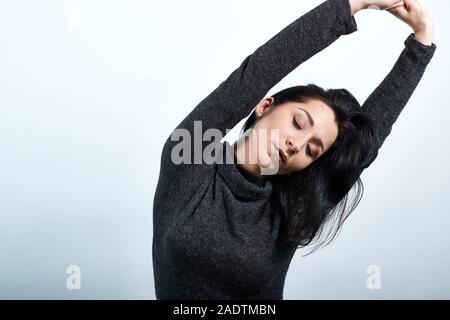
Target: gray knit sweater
{"points": [[214, 226]]}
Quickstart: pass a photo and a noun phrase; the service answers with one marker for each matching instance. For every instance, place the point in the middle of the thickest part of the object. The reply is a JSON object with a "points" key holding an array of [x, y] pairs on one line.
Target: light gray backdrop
{"points": [[90, 89]]}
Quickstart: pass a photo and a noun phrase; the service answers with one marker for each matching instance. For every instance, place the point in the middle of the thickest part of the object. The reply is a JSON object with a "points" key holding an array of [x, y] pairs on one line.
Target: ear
{"points": [[262, 106]]}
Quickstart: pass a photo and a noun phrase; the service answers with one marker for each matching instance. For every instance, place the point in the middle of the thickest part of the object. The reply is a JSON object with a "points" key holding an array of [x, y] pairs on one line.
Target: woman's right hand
{"points": [[416, 16]]}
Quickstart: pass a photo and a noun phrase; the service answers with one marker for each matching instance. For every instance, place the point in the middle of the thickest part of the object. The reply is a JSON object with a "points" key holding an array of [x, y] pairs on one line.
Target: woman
{"points": [[228, 229]]}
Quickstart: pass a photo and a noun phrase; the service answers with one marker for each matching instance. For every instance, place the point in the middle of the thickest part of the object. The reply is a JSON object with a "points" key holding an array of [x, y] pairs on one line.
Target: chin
{"points": [[273, 168]]}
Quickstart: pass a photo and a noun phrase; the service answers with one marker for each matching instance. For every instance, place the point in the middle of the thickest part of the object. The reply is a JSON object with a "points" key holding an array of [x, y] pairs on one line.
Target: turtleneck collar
{"points": [[242, 182]]}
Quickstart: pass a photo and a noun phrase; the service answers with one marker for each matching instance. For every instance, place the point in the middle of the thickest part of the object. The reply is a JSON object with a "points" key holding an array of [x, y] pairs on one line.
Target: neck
{"points": [[242, 156]]}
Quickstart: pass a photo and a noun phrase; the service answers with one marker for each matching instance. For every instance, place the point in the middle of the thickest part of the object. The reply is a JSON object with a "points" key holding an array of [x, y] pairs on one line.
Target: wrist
{"points": [[424, 34], [425, 37]]}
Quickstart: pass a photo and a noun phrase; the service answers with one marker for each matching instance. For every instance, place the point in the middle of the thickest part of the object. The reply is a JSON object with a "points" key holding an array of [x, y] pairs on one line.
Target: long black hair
{"points": [[315, 201]]}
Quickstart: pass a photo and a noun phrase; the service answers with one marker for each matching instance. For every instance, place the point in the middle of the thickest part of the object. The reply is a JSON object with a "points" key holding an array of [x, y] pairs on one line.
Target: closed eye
{"points": [[308, 149], [296, 125]]}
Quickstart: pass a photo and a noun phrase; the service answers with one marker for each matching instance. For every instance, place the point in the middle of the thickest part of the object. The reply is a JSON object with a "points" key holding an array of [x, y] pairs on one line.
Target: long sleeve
{"points": [[387, 101], [236, 96]]}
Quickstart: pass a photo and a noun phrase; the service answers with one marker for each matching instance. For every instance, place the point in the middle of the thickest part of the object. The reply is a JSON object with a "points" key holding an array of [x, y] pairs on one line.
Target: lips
{"points": [[281, 155]]}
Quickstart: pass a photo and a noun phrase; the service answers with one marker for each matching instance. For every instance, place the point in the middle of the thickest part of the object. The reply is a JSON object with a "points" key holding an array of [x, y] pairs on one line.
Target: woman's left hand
{"points": [[417, 17]]}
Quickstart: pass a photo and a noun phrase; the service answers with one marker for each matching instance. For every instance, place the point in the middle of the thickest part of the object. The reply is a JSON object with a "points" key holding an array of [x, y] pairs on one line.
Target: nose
{"points": [[295, 144], [292, 148]]}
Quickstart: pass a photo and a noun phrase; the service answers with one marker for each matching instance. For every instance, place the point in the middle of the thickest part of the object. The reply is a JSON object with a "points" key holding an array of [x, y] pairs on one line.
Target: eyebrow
{"points": [[316, 141]]}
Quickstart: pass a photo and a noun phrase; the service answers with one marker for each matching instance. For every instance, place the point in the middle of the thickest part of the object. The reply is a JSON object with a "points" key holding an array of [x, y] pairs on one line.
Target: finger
{"points": [[412, 4], [395, 5], [399, 11]]}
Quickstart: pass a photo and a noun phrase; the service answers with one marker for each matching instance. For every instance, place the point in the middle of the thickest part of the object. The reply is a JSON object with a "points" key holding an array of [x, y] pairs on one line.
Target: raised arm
{"points": [[236, 96], [387, 101]]}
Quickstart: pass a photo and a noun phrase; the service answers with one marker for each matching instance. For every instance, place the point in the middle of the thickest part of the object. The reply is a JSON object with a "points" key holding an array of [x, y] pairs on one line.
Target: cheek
{"points": [[270, 134], [300, 161], [274, 129], [274, 121]]}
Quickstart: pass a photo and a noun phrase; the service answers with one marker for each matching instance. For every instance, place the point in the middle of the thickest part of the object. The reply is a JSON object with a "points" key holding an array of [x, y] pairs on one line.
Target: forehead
{"points": [[314, 105]]}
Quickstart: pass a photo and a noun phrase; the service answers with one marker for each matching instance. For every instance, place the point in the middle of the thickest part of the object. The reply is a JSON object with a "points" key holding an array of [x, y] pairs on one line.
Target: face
{"points": [[306, 130]]}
